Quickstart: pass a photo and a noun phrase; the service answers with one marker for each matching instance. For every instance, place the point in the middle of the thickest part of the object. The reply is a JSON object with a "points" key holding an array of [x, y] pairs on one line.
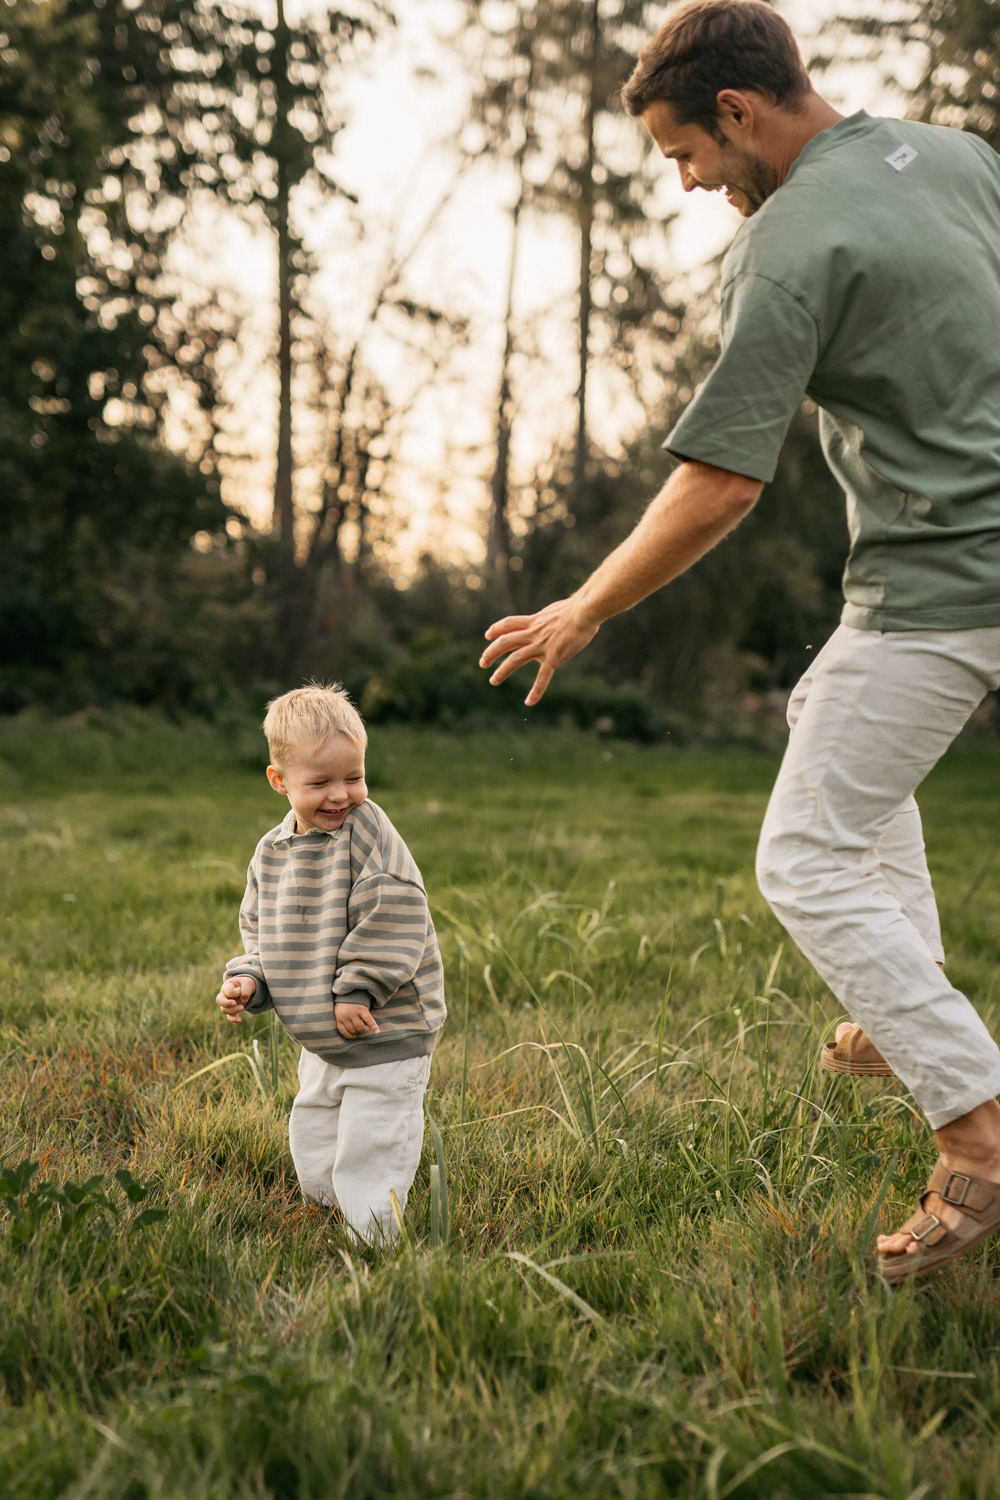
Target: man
{"points": [[866, 274]]}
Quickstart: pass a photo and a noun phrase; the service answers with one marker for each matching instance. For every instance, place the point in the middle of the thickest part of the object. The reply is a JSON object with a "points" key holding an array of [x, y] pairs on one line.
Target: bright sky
{"points": [[405, 104]]}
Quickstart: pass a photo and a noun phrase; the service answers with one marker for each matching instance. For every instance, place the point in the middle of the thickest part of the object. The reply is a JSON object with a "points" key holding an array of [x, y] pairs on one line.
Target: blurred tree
{"points": [[346, 531], [238, 105], [958, 44], [248, 118], [143, 115], [546, 107], [522, 56], [88, 497]]}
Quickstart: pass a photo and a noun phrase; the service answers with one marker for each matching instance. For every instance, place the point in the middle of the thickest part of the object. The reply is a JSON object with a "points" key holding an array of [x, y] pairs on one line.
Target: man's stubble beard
{"points": [[750, 175]]}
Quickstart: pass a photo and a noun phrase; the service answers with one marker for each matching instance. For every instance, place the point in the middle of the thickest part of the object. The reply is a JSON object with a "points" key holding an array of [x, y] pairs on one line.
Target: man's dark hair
{"points": [[709, 45]]}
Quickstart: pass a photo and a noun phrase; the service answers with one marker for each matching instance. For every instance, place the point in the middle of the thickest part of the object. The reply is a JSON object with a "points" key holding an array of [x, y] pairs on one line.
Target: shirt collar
{"points": [[286, 833], [833, 136]]}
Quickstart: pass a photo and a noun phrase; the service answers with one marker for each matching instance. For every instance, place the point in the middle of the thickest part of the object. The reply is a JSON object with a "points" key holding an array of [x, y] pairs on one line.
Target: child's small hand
{"points": [[234, 994], [353, 1020]]}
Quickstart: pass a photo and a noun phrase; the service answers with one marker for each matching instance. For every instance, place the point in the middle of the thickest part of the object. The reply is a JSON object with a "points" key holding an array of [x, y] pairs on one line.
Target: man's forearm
{"points": [[695, 509]]}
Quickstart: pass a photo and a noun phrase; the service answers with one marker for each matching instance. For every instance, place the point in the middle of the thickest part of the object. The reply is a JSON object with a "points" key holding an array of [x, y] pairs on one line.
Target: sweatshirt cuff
{"points": [[260, 1000], [354, 997]]}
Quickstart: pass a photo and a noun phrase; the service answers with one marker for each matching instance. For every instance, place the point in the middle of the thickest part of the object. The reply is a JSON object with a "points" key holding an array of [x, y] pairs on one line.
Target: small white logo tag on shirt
{"points": [[901, 157]]}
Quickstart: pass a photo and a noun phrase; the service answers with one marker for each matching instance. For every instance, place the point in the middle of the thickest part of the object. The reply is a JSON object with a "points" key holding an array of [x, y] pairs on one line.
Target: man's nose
{"points": [[688, 182]]}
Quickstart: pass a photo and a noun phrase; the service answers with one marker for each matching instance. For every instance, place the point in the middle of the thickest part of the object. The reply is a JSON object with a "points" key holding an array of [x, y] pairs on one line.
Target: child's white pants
{"points": [[841, 857], [355, 1136]]}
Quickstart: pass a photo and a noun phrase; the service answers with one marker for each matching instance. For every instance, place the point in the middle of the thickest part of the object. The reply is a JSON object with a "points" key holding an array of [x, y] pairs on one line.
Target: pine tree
{"points": [[548, 108], [93, 509]]}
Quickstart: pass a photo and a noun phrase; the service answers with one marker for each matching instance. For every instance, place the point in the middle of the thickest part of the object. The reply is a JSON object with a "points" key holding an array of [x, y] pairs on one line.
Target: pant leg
{"points": [[879, 712], [313, 1126], [378, 1143], [900, 849], [902, 859]]}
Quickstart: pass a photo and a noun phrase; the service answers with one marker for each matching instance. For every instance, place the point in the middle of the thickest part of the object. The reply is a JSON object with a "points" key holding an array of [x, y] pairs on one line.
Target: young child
{"points": [[340, 942]]}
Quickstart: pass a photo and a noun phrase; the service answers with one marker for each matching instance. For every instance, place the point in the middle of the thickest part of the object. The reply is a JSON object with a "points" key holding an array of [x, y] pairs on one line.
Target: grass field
{"points": [[651, 1273]]}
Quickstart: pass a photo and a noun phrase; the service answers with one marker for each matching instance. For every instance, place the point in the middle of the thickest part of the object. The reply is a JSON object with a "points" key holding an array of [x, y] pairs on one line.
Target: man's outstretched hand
{"points": [[696, 508], [549, 637]]}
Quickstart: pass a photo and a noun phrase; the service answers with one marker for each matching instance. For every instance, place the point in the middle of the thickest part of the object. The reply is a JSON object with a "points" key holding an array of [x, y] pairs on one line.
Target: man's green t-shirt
{"points": [[870, 281]]}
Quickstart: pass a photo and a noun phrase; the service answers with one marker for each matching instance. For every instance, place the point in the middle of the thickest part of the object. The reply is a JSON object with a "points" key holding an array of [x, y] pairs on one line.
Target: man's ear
{"points": [[737, 108], [276, 779]]}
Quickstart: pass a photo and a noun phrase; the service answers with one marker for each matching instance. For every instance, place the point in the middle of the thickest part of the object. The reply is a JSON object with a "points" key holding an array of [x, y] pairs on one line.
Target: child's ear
{"points": [[276, 779]]}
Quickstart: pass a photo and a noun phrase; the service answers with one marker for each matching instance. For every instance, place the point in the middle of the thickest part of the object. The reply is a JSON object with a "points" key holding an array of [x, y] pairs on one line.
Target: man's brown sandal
{"points": [[979, 1201], [854, 1053]]}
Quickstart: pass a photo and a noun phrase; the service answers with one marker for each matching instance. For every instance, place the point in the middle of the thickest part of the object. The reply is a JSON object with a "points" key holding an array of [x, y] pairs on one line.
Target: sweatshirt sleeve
{"points": [[387, 920], [249, 962]]}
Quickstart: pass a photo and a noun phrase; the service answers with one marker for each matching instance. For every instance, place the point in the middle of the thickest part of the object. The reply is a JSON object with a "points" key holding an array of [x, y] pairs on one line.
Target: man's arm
{"points": [[695, 509]]}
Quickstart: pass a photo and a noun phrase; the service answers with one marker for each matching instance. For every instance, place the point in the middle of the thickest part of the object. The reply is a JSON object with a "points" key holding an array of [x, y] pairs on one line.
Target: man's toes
{"points": [[896, 1244]]}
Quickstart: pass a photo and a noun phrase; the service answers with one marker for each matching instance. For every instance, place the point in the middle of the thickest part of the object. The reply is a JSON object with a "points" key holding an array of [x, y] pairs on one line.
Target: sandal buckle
{"points": [[946, 1192], [926, 1226]]}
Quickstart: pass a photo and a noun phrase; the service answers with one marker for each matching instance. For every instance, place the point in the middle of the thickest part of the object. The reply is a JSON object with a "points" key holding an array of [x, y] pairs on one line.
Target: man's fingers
{"points": [[509, 642], [508, 623], [514, 660], [541, 682]]}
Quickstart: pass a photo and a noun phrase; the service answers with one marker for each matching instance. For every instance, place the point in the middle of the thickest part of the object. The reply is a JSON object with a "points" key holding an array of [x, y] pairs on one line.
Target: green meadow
{"points": [[638, 1257]]}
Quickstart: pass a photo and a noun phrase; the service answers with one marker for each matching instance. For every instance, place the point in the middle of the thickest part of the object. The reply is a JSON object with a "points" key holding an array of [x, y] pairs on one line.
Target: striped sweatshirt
{"points": [[342, 916]]}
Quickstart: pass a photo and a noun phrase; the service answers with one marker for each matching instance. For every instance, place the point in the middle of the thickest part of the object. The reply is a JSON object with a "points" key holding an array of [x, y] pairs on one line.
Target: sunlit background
{"points": [[331, 336], [401, 153]]}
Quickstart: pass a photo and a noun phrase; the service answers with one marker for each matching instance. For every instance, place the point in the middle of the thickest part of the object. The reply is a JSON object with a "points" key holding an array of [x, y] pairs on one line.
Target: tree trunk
{"points": [[283, 507], [498, 532], [293, 609], [580, 452]]}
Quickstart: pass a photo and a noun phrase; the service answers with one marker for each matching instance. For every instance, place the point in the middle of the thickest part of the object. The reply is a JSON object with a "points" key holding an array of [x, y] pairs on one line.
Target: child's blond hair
{"points": [[307, 717]]}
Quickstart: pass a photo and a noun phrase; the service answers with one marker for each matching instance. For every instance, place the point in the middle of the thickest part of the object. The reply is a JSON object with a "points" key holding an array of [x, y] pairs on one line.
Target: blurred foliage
{"points": [[129, 581], [96, 517], [704, 654], [958, 45], [545, 107]]}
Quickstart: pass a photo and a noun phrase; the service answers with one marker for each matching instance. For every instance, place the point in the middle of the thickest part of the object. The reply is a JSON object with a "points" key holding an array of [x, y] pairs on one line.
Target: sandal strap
{"points": [[928, 1229], [973, 1195], [978, 1201]]}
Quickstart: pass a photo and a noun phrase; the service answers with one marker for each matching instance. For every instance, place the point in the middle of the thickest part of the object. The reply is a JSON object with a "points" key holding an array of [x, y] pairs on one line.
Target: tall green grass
{"points": [[637, 1260]]}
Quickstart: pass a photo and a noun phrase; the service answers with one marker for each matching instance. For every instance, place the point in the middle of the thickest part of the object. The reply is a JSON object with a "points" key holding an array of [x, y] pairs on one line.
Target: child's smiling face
{"points": [[322, 785]]}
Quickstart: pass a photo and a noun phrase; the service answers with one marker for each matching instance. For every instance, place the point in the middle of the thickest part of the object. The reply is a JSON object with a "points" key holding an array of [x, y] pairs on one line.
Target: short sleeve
{"points": [[739, 417]]}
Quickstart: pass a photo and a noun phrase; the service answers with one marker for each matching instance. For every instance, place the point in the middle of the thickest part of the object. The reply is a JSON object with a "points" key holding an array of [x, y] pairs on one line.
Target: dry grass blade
{"points": [[560, 1286]]}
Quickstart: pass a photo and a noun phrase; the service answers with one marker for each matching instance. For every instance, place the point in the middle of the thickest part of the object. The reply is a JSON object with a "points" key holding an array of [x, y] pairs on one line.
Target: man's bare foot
{"points": [[969, 1144]]}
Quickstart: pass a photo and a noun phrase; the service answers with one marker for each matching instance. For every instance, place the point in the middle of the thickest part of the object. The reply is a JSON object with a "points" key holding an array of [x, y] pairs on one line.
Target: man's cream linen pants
{"points": [[355, 1136], [841, 858]]}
